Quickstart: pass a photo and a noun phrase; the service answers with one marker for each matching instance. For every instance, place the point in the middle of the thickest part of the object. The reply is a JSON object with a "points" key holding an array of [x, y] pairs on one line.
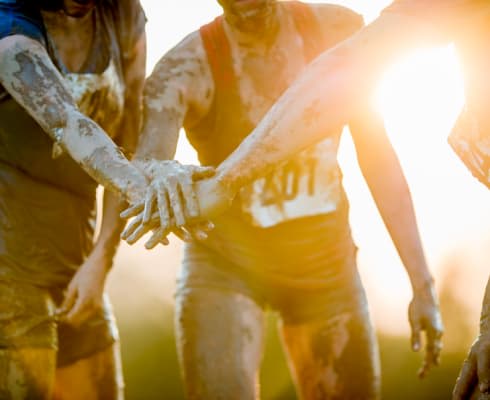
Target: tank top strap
{"points": [[308, 27], [218, 52]]}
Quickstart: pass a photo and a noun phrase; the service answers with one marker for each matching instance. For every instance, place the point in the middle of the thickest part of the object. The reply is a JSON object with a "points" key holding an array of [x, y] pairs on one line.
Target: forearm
{"points": [[160, 133], [394, 202], [383, 174], [29, 76], [322, 99], [399, 217], [179, 88], [485, 312], [111, 227]]}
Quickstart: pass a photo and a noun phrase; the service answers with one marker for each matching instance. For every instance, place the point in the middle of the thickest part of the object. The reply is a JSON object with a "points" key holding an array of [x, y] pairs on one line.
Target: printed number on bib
{"points": [[305, 186]]}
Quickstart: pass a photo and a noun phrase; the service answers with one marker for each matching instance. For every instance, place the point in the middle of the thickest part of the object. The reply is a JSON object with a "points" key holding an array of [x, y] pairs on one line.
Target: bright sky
{"points": [[420, 98]]}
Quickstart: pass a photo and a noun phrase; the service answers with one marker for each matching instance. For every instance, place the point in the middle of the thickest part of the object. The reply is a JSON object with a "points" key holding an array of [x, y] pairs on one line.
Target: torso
{"points": [[309, 184], [48, 198]]}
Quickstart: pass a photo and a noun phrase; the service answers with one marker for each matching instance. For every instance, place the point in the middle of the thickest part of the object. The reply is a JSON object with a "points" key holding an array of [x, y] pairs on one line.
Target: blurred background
{"points": [[420, 97]]}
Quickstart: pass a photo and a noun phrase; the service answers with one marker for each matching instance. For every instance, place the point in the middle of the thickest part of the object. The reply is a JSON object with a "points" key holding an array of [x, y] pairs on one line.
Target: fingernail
{"points": [[201, 236]]}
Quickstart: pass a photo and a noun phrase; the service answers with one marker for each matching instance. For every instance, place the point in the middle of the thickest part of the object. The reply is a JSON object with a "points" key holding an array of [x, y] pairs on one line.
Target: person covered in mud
{"points": [[325, 96], [68, 69], [285, 243]]}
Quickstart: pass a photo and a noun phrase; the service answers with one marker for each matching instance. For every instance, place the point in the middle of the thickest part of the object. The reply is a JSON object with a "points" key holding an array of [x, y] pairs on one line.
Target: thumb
{"points": [[69, 300], [199, 172]]}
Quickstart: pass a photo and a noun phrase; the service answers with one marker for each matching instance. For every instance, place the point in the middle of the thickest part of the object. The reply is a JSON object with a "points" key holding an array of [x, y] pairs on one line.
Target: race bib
{"points": [[470, 143], [307, 185]]}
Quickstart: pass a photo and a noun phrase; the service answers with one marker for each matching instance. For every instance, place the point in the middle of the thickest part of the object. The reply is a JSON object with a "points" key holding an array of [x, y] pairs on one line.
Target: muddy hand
{"points": [[172, 192], [84, 295], [136, 230], [424, 316], [475, 373]]}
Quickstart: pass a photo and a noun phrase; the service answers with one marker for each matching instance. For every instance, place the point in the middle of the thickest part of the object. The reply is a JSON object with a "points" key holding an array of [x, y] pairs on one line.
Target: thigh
{"points": [[98, 376], [334, 356], [220, 337], [27, 373]]}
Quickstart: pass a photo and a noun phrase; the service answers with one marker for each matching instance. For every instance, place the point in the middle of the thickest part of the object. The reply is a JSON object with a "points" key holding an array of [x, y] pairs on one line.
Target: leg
{"points": [[27, 342], [335, 356], [98, 376], [89, 362], [27, 374], [220, 340]]}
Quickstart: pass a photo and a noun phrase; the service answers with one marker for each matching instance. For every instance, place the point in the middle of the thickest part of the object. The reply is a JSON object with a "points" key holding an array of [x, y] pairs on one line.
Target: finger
{"points": [[434, 345], [190, 199], [132, 226], [163, 207], [140, 232], [158, 236], [483, 371], [415, 339], [207, 226], [175, 198], [80, 313], [182, 234], [132, 211], [432, 350], [148, 209], [202, 172], [198, 232], [466, 381], [68, 302]]}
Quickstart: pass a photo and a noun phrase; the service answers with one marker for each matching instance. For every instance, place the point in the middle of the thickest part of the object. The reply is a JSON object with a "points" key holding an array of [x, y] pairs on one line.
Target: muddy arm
{"points": [[28, 74], [384, 176], [321, 99]]}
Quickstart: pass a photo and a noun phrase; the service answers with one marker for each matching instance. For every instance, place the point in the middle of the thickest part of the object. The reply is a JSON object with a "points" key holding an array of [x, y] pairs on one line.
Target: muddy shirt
{"points": [[46, 200], [301, 205], [467, 24]]}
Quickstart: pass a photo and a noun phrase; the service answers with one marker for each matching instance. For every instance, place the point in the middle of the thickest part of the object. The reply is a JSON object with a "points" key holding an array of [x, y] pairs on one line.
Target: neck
{"points": [[261, 26]]}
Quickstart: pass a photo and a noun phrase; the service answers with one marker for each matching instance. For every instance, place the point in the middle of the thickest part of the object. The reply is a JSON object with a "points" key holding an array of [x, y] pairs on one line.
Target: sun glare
{"points": [[422, 93]]}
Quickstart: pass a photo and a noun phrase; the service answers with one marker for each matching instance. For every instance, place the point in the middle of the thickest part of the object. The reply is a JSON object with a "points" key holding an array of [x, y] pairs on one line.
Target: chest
{"points": [[86, 55], [71, 39], [263, 73]]}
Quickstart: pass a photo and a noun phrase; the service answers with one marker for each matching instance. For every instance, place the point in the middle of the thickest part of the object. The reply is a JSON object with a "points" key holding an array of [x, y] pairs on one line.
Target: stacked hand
{"points": [[424, 315], [178, 199]]}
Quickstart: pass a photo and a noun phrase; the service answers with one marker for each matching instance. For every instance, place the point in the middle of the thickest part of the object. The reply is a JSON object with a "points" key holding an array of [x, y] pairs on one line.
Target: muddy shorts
{"points": [[334, 287], [27, 319]]}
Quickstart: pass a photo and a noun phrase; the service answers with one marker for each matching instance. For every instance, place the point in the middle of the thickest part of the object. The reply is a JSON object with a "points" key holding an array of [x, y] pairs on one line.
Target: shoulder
{"points": [[337, 21], [186, 59], [188, 50]]}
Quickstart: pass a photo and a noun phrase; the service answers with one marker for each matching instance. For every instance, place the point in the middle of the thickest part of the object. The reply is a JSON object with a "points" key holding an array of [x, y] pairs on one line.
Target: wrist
{"points": [[102, 258], [485, 323], [422, 284]]}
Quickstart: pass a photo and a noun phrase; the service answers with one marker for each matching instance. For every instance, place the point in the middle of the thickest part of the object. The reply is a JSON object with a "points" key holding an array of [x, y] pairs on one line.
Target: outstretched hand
{"points": [[424, 316]]}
